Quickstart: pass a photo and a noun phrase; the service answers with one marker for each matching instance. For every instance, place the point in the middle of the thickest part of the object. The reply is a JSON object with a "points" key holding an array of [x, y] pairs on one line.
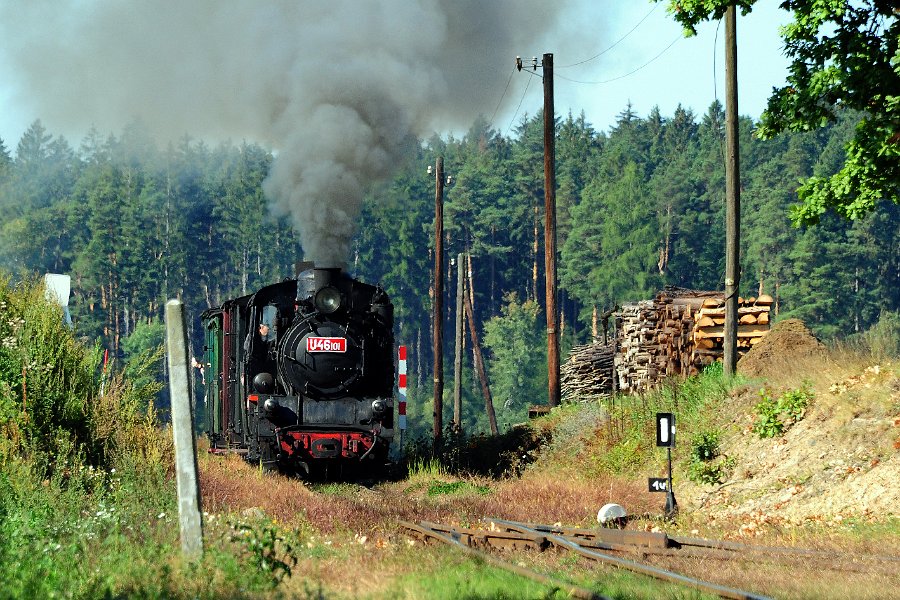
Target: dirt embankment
{"points": [[840, 461]]}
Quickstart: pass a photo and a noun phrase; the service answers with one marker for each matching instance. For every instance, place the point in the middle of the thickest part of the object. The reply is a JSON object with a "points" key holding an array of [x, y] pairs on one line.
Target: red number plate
{"points": [[326, 344]]}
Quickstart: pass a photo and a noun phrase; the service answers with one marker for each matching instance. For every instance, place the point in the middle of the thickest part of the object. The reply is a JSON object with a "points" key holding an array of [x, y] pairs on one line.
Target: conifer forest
{"points": [[640, 206]]}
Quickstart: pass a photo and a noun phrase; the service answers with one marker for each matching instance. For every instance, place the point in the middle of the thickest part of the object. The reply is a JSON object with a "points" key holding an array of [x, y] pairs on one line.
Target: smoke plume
{"points": [[337, 88]]}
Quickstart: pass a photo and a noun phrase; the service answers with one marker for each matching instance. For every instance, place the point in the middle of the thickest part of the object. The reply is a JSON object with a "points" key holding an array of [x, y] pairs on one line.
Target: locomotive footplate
{"points": [[305, 445]]}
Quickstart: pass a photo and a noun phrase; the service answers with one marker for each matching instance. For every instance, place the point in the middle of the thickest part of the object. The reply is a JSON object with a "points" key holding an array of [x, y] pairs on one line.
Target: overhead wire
{"points": [[516, 114], [630, 73], [596, 56], [616, 43], [502, 96], [716, 98]]}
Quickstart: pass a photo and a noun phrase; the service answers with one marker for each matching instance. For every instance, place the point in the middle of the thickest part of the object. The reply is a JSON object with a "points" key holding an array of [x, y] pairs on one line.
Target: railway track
{"points": [[610, 546]]}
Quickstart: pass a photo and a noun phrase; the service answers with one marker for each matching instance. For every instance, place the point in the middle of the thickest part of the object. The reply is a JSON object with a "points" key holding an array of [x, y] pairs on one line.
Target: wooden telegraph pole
{"points": [[438, 298], [550, 233], [733, 196], [457, 357]]}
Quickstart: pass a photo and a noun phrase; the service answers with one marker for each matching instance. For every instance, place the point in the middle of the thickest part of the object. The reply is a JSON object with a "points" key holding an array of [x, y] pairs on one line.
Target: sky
{"points": [[646, 67], [690, 72], [341, 90]]}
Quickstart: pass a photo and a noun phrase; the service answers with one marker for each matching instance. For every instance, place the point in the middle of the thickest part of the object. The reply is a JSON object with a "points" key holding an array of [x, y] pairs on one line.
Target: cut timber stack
{"points": [[709, 328], [655, 337], [588, 374], [677, 333], [635, 327]]}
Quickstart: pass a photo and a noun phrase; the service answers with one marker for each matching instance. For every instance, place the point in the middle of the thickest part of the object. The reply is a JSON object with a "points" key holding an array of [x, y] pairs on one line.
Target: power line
{"points": [[527, 83], [616, 43], [664, 50], [491, 123]]}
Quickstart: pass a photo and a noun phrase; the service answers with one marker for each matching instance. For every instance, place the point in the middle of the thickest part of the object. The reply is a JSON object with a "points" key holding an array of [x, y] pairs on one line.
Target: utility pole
{"points": [[550, 233], [438, 298], [457, 359], [732, 196], [476, 353]]}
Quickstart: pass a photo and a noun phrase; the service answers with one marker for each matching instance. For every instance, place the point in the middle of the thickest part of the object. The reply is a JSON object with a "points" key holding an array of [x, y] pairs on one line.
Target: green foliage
{"points": [[506, 454], [882, 340], [629, 429], [705, 446], [638, 207], [517, 369], [270, 552], [47, 379], [775, 416], [458, 577], [144, 351], [705, 465], [456, 487], [845, 55]]}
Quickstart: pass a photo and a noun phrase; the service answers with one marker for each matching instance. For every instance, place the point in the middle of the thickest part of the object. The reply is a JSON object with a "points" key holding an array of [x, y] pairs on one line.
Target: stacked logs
{"points": [[656, 337], [635, 332], [709, 330], [588, 374], [677, 333]]}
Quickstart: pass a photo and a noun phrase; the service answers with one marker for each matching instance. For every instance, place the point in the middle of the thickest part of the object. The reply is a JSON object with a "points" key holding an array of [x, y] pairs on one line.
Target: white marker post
{"points": [[183, 432], [401, 389]]}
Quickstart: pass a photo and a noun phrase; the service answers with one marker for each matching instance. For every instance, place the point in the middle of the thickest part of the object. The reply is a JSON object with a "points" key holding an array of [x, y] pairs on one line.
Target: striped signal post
{"points": [[401, 387]]}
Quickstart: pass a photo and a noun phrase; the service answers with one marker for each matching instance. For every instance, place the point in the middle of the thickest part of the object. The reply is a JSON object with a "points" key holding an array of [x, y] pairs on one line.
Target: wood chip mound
{"points": [[786, 342]]}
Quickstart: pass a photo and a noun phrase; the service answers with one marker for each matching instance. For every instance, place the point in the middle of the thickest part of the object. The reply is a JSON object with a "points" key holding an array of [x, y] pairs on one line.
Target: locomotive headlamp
{"points": [[328, 300], [379, 406]]}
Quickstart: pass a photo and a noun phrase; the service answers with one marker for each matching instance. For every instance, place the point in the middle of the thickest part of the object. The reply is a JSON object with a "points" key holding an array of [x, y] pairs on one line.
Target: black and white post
{"points": [[183, 431], [665, 437]]}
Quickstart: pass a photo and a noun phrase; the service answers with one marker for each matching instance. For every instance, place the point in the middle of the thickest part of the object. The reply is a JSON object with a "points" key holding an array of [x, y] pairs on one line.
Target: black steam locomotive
{"points": [[300, 375]]}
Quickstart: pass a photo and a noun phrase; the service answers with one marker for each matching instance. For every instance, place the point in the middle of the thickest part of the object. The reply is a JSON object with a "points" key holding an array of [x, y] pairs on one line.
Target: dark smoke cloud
{"points": [[336, 88]]}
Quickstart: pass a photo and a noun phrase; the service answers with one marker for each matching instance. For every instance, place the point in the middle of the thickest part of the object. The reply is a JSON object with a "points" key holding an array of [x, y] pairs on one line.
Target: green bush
{"points": [[272, 554], [777, 416], [706, 465]]}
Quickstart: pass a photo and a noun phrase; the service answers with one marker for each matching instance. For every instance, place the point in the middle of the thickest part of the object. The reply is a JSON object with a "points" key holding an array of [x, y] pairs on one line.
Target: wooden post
{"points": [[733, 197], [183, 432], [460, 335], [479, 359], [553, 390], [438, 327]]}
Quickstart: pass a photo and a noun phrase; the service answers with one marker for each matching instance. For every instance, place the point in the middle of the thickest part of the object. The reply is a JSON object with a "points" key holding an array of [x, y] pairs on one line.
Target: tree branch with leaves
{"points": [[845, 56]]}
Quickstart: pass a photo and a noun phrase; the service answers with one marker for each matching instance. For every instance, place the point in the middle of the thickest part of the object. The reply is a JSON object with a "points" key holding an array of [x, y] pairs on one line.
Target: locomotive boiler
{"points": [[300, 375]]}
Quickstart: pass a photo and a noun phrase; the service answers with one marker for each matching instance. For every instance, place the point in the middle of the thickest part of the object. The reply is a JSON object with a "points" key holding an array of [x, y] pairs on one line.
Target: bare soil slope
{"points": [[840, 461]]}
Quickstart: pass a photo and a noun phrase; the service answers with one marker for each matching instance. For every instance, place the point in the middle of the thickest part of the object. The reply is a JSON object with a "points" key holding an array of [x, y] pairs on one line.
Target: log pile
{"points": [[588, 374], [678, 333], [709, 329], [655, 337], [636, 347]]}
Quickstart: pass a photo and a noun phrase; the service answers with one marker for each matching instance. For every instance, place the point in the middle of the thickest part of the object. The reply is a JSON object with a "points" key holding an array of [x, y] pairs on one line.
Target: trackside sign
{"points": [[326, 344]]}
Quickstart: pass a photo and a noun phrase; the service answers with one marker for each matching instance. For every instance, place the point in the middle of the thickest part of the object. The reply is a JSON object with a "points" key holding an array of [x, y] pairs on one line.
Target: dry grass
{"points": [[352, 545], [350, 529]]}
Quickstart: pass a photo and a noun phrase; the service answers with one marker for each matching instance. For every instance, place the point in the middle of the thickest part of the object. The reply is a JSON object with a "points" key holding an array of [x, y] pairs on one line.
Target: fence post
{"points": [[183, 432]]}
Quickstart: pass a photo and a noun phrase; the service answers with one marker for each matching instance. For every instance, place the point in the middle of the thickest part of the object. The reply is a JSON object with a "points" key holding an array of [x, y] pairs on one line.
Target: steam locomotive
{"points": [[300, 375]]}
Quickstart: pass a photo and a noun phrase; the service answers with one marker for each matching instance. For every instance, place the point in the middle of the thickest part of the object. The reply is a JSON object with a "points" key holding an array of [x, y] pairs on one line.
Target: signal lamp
{"points": [[328, 300]]}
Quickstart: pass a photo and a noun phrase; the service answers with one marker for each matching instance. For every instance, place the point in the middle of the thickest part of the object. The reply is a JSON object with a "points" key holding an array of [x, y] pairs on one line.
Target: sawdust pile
{"points": [[788, 341]]}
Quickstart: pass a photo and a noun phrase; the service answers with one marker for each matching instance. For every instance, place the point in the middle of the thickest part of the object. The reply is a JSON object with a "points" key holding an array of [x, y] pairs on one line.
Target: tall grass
{"points": [[618, 434], [81, 471], [48, 382], [882, 340]]}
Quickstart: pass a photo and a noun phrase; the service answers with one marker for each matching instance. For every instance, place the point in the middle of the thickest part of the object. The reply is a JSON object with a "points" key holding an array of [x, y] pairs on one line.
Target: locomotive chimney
{"points": [[323, 276]]}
